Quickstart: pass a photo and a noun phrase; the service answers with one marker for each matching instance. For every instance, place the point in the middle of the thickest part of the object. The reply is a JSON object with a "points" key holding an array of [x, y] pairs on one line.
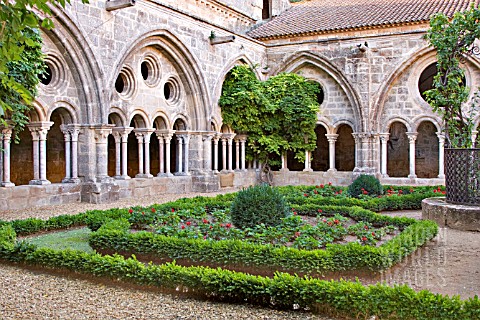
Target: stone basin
{"points": [[455, 216]]}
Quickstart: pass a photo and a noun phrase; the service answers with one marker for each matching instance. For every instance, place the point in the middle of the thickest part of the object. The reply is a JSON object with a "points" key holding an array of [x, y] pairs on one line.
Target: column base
{"points": [[71, 180], [384, 175], [215, 171], [7, 184], [181, 174], [39, 182], [441, 176], [331, 170], [122, 178], [286, 170], [412, 176], [308, 170], [144, 175]]}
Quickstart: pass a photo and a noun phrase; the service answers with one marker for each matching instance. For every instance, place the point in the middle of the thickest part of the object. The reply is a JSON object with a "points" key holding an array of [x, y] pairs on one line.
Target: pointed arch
{"points": [[82, 63], [187, 67], [302, 58]]}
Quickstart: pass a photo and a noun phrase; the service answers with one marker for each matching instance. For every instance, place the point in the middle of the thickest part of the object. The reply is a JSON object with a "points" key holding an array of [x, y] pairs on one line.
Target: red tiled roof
{"points": [[322, 16]]}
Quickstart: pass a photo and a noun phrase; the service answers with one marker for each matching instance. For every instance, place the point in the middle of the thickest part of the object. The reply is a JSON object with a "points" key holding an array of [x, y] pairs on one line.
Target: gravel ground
{"points": [[30, 294], [446, 265]]}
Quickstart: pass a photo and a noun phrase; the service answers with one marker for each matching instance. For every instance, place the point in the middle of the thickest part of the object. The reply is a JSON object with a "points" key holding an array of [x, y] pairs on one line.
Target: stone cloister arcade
{"points": [[132, 109]]}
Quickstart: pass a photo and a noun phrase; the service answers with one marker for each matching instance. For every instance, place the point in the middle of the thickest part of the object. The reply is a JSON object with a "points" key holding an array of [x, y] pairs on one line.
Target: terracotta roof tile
{"points": [[334, 15]]}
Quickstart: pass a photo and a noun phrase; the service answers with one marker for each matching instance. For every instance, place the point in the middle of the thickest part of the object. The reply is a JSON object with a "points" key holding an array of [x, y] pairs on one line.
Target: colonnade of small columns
{"points": [[225, 141]]}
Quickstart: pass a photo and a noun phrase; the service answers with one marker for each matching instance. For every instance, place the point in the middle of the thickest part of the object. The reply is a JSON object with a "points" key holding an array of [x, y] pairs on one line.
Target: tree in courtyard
{"points": [[21, 61], [454, 40], [278, 115]]}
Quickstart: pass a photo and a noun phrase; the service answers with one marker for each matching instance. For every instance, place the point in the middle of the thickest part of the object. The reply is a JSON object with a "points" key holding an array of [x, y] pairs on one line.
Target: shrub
{"points": [[365, 185], [258, 204]]}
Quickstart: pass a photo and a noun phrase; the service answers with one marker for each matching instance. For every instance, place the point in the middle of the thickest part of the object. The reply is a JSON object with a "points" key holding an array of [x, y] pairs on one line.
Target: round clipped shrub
{"points": [[365, 185], [258, 204]]}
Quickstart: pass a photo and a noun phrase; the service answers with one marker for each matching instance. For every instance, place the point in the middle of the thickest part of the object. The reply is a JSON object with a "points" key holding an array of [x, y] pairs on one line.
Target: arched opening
{"points": [[321, 153], [133, 166], [177, 156], [426, 151], [157, 159], [345, 149], [21, 159], [56, 147], [425, 82], [397, 151]]}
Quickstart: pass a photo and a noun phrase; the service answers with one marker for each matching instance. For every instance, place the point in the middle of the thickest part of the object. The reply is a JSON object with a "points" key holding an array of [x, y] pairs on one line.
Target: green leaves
{"points": [[453, 41], [278, 115]]}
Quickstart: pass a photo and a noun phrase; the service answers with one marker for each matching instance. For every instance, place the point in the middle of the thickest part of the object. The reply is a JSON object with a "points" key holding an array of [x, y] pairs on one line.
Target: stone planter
{"points": [[455, 216]]}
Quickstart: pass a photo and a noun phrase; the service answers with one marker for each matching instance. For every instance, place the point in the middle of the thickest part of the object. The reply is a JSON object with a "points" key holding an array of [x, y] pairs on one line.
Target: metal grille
{"points": [[462, 176]]}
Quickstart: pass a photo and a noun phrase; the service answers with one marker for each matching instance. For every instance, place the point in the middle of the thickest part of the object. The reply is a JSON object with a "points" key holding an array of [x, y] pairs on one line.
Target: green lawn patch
{"points": [[76, 239]]}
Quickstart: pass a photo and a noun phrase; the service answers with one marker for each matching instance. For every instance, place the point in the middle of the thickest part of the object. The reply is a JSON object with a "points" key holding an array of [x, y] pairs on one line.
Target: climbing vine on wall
{"points": [[454, 41], [278, 115]]}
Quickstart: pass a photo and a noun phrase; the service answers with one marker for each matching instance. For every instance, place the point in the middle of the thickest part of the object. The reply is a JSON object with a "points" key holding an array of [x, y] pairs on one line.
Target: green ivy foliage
{"points": [[20, 55], [24, 71], [453, 39], [278, 115]]}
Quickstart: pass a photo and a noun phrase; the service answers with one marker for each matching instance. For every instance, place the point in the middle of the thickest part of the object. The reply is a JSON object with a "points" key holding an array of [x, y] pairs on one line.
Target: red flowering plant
{"points": [[324, 190]]}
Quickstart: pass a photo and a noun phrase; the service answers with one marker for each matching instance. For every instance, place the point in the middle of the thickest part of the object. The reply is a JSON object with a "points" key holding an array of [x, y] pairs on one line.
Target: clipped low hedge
{"points": [[239, 254], [283, 291]]}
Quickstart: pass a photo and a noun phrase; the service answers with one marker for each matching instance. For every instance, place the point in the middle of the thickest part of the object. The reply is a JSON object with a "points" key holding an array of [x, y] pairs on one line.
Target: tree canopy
{"points": [[278, 115], [454, 41]]}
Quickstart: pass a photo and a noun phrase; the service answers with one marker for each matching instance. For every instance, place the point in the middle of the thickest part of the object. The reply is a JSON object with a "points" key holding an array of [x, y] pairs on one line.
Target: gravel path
{"points": [[27, 294], [447, 265]]}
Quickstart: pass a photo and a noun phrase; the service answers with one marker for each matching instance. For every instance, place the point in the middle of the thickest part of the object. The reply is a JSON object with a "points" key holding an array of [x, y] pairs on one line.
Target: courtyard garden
{"points": [[265, 246]]}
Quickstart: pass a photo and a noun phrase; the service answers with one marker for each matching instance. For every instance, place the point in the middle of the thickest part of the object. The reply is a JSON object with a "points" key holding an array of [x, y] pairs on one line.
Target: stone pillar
{"points": [[146, 141], [230, 151], [186, 143], [284, 162], [308, 162], [356, 138], [474, 138], [383, 157], [179, 155], [139, 136], [207, 151], [6, 139], [216, 137], [39, 132], [68, 165], [412, 136], [332, 138], [168, 138], [161, 153], [243, 140], [74, 132], [101, 138], [118, 153], [237, 154], [224, 154], [441, 157], [121, 151]]}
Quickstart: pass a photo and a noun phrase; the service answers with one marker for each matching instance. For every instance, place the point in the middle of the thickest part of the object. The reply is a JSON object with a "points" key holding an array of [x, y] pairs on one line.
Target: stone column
{"points": [[237, 154], [68, 165], [356, 138], [412, 136], [308, 162], [284, 162], [179, 155], [139, 136], [332, 138], [168, 139], [207, 151], [474, 138], [185, 138], [243, 140], [74, 132], [39, 132], [230, 152], [224, 153], [101, 138], [146, 141], [118, 153], [161, 153], [6, 139], [441, 157], [383, 158], [215, 139]]}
